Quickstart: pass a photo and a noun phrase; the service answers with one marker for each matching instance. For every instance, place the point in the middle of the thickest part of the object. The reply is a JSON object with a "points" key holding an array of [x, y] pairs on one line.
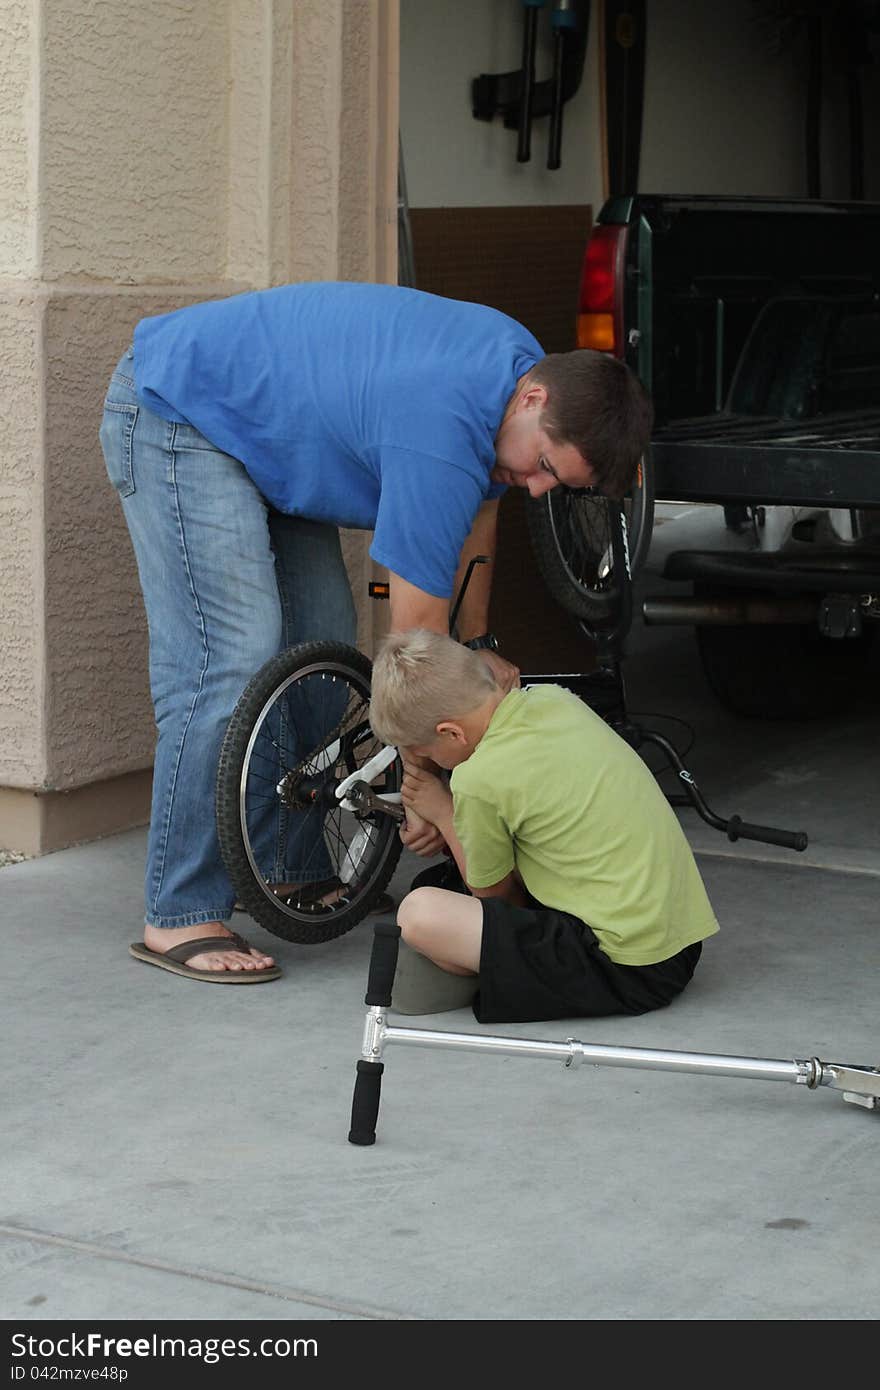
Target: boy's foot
{"points": [[160, 940]]}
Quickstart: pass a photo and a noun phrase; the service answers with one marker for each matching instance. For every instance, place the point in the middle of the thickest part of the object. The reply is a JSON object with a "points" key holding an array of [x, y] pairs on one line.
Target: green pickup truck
{"points": [[755, 323]]}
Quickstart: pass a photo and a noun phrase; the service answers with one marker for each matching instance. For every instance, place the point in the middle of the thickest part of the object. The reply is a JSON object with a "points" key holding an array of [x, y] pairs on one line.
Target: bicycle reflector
{"points": [[600, 305]]}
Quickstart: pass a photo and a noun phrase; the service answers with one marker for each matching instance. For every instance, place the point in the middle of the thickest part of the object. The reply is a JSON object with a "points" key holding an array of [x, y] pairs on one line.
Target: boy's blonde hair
{"points": [[420, 679]]}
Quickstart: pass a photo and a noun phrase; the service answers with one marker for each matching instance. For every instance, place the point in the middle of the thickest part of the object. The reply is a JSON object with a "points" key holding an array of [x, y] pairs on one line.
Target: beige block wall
{"points": [[21, 549], [133, 140], [151, 155], [18, 41]]}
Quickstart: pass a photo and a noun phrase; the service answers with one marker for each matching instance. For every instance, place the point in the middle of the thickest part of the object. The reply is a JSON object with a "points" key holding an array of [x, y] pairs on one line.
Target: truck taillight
{"points": [[600, 307]]}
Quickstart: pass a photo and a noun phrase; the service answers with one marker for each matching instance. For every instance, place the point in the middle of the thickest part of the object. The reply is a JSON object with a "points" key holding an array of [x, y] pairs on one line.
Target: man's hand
{"points": [[505, 673], [423, 792]]}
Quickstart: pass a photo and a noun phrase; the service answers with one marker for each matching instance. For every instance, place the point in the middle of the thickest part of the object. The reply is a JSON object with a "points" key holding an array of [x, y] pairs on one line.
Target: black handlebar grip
{"points": [[738, 829], [383, 963], [365, 1103]]}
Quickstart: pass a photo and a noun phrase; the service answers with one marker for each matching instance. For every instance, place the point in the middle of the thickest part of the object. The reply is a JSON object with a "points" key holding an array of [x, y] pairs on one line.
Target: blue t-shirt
{"points": [[369, 406]]}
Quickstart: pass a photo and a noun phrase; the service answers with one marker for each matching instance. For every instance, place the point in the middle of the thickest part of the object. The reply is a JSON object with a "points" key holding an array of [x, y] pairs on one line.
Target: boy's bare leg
{"points": [[446, 927]]}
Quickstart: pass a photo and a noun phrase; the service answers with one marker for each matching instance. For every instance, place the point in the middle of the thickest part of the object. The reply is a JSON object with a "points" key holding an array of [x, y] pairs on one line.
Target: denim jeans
{"points": [[227, 584]]}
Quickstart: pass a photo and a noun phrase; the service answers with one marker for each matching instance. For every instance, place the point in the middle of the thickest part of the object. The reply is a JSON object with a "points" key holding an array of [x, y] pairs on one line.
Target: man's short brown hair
{"points": [[596, 403]]}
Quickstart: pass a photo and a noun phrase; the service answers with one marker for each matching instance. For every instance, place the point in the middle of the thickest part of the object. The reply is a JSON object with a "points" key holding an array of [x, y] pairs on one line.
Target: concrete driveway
{"points": [[177, 1152]]}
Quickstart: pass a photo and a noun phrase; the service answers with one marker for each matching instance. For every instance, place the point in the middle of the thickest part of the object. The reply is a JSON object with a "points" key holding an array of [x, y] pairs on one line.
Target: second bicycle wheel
{"points": [[303, 866], [571, 539]]}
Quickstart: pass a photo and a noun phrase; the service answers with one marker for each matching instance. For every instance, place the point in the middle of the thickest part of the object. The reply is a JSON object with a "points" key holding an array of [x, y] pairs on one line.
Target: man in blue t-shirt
{"points": [[241, 434]]}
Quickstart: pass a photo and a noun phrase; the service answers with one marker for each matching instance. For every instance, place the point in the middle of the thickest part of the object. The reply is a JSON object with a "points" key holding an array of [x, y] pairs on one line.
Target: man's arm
{"points": [[412, 607], [473, 616]]}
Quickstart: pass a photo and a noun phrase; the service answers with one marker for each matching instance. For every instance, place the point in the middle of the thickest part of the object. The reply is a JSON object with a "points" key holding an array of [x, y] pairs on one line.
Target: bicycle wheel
{"points": [[571, 540], [304, 866]]}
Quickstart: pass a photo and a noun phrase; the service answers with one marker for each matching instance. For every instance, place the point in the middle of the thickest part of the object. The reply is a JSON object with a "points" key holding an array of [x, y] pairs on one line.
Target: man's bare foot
{"points": [[161, 939]]}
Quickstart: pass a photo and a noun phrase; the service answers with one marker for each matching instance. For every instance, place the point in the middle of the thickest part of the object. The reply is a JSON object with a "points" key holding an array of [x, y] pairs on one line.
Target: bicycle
{"points": [[570, 534], [302, 777], [299, 763]]}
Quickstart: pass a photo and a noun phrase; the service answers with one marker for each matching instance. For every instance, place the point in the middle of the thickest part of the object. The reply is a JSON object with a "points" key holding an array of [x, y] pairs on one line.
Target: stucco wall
{"points": [[134, 140], [18, 98], [97, 712], [151, 154], [22, 548]]}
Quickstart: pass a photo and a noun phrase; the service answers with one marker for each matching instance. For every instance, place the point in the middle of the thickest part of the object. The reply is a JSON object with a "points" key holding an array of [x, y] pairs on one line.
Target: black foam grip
{"points": [[383, 963], [789, 839], [365, 1102]]}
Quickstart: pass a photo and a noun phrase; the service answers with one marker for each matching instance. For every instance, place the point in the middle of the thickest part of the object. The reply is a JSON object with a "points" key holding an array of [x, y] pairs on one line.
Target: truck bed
{"points": [[832, 460]]}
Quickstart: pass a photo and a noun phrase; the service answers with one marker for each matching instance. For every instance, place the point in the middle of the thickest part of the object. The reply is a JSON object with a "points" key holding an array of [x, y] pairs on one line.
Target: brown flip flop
{"points": [[176, 957]]}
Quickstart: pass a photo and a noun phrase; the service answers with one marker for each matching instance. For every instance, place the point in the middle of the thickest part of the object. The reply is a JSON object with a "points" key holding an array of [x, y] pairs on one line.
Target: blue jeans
{"points": [[227, 584]]}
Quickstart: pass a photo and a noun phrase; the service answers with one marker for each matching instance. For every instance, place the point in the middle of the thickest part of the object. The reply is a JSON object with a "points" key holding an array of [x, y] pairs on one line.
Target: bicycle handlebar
{"points": [[739, 829]]}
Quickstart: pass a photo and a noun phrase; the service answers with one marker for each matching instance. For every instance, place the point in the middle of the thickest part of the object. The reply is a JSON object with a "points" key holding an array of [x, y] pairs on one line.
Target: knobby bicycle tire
{"points": [[571, 541], [273, 767]]}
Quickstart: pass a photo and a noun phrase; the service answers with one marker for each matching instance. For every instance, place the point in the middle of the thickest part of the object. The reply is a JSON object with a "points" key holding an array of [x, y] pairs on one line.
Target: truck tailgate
{"points": [[833, 460]]}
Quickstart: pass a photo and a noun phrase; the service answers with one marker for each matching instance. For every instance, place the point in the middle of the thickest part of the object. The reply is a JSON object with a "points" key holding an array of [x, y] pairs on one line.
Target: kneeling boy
{"points": [[584, 896]]}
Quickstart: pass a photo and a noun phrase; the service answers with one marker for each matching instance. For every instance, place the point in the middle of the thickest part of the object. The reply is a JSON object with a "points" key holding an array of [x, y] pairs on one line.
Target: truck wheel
{"points": [[778, 671]]}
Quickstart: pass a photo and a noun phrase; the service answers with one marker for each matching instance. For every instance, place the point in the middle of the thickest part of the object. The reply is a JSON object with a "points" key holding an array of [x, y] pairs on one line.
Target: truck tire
{"points": [[783, 671]]}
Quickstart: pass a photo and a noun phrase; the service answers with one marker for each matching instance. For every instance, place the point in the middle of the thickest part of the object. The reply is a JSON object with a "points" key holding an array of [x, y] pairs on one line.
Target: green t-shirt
{"points": [[554, 792]]}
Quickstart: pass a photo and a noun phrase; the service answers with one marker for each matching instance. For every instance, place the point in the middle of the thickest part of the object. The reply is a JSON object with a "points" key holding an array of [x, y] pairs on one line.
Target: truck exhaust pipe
{"points": [[729, 611]]}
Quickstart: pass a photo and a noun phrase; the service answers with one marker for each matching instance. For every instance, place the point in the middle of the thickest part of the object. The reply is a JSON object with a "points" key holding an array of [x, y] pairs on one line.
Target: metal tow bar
{"points": [[859, 1084]]}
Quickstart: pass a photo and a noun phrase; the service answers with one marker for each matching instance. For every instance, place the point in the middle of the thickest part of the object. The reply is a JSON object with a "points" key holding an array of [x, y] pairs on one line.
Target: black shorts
{"points": [[538, 963]]}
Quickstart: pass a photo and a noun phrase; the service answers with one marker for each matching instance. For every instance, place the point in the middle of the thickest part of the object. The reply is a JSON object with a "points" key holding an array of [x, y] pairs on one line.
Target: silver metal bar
{"points": [[859, 1085], [474, 1042], [655, 1059]]}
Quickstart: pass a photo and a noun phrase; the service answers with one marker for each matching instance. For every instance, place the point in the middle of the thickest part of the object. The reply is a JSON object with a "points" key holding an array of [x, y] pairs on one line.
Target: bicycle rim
{"points": [[296, 734], [571, 538]]}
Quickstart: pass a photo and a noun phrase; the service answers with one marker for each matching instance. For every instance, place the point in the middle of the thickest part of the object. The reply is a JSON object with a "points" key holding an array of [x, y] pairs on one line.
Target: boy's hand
{"points": [[421, 836], [424, 793]]}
